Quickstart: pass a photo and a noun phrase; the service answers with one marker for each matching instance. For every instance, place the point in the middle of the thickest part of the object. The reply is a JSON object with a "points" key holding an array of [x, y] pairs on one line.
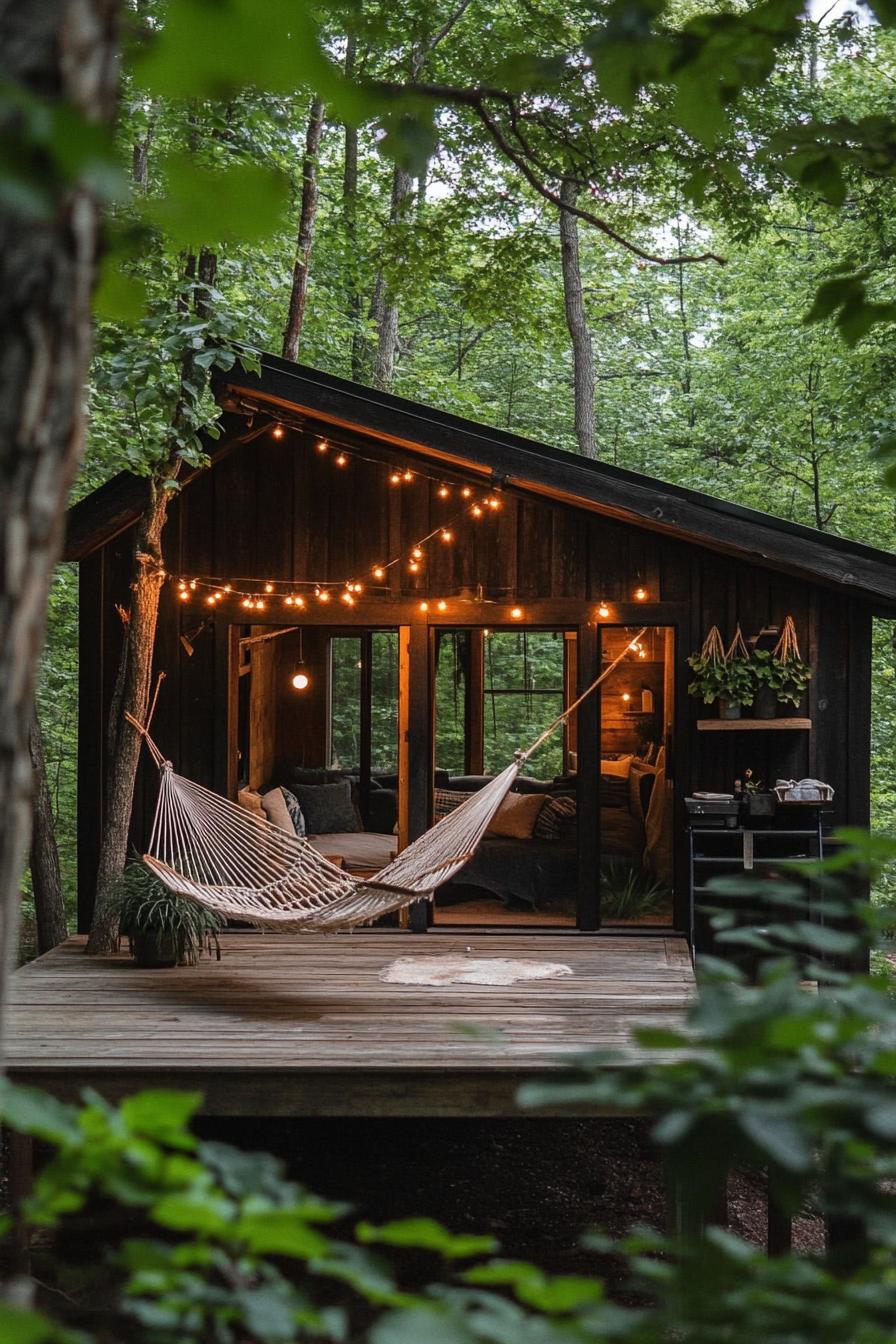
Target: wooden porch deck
{"points": [[304, 1025]]}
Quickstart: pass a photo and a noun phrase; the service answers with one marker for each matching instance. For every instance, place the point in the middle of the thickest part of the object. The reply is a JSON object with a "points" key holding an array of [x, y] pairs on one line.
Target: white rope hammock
{"points": [[230, 860]]}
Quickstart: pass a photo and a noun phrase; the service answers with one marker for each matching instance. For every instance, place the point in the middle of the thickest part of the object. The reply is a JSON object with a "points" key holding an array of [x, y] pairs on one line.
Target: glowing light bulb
{"points": [[379, 572], [300, 681], [466, 492], [323, 595], [640, 594], [395, 478], [210, 601], [444, 492], [277, 432], [424, 606], [322, 446], [348, 599], [603, 609], [246, 602], [442, 605], [516, 613], [407, 475], [359, 587], [193, 585], [269, 587], [625, 697], [341, 460], [259, 605], [288, 601], [299, 601], [413, 566], [228, 588], [476, 511], [447, 534], [642, 653], [184, 595], [493, 503], [417, 553]]}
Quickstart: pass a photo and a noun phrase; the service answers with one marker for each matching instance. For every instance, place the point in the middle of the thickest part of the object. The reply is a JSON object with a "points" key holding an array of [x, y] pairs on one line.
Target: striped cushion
{"points": [[446, 800], [555, 819]]}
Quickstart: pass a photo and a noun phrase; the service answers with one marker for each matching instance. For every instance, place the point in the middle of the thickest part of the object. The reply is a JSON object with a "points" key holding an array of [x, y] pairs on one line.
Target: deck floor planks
{"points": [[293, 1025]]}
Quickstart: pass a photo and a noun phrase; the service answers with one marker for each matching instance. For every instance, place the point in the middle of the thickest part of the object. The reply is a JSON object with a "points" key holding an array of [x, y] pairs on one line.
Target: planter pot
{"points": [[154, 953], [765, 704], [760, 804], [729, 709]]}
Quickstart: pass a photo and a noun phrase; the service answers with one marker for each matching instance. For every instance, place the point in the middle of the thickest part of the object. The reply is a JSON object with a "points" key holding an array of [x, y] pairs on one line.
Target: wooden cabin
{"points": [[380, 601]]}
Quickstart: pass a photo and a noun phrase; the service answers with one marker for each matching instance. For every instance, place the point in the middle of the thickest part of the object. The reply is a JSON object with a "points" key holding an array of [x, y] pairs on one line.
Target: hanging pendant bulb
{"points": [[300, 678]]}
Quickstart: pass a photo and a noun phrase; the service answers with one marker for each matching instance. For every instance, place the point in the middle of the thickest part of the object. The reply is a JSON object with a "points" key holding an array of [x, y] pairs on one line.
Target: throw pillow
{"points": [[517, 815], [250, 799], [275, 810], [556, 819], [620, 766], [640, 784], [327, 808], [446, 800], [296, 815]]}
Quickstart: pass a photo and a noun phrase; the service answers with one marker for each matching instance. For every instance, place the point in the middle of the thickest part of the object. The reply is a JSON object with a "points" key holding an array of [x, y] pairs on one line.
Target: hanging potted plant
{"points": [[162, 929], [780, 675], [722, 676]]}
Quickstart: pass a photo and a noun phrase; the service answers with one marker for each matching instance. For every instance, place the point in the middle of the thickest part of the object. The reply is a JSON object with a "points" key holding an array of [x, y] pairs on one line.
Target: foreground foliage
{"points": [[767, 1074]]}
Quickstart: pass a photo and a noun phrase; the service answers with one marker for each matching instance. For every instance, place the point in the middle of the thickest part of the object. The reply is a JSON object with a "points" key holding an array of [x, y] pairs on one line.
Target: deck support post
{"points": [[20, 1158]]}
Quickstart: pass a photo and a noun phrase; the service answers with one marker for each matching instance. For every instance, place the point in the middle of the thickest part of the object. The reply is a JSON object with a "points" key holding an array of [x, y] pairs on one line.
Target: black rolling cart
{"points": [[726, 844]]}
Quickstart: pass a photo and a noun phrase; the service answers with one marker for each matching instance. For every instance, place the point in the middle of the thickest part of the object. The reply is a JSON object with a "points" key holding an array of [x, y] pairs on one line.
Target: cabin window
{"points": [[364, 691], [523, 692]]}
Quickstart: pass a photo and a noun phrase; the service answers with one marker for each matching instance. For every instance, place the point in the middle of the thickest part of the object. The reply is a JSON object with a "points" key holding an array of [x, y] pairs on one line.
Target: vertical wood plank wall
{"points": [[279, 509]]}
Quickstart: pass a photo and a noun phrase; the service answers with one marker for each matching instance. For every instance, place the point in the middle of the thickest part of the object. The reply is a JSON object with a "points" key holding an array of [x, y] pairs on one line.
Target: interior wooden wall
{"points": [[277, 509]]}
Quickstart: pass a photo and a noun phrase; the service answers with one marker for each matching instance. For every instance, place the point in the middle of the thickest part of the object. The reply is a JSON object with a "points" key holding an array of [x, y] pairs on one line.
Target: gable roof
{"points": [[690, 515]]}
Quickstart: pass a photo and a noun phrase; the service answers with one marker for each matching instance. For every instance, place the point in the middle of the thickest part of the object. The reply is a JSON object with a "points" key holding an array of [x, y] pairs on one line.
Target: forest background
{"points": [[461, 285]]}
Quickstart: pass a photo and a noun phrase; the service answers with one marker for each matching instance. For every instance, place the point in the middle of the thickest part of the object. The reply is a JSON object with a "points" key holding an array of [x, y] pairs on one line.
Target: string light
{"points": [[414, 566], [395, 478], [516, 613], [379, 572], [323, 595], [603, 609], [442, 605], [341, 460], [625, 697], [476, 511], [300, 681], [184, 595], [193, 585], [493, 503], [446, 534], [322, 446], [466, 492], [348, 599], [417, 553], [640, 594], [424, 606], [407, 475], [277, 432], [269, 587], [444, 492]]}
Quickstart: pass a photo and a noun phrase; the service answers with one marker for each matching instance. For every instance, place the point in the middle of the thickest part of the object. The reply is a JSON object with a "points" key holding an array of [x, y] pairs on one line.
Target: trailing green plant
{"points": [[787, 679], [148, 910], [720, 675], [627, 892]]}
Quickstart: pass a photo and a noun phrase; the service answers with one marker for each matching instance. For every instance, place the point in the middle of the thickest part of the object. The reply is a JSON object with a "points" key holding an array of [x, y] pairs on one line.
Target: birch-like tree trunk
{"points": [[134, 677], [46, 878], [292, 334], [577, 323], [62, 51]]}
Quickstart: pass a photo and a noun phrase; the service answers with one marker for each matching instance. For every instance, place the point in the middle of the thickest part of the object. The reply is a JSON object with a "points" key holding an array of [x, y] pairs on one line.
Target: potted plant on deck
{"points": [[162, 929], [722, 676], [780, 675]]}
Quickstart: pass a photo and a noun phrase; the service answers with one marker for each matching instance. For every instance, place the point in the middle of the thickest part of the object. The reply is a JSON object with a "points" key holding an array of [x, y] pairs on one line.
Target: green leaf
{"points": [[425, 1234], [205, 206], [163, 1115], [782, 1141], [29, 1111], [280, 1232]]}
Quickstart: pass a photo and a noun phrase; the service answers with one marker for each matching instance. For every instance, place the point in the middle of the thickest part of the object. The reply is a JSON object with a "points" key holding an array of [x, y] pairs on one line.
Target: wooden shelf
{"points": [[753, 725]]}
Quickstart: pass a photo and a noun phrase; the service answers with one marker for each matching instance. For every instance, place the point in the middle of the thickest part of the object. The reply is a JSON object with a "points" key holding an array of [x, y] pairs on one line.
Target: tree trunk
{"points": [[387, 323], [134, 677], [63, 51], [579, 335], [296, 316], [46, 878], [350, 219]]}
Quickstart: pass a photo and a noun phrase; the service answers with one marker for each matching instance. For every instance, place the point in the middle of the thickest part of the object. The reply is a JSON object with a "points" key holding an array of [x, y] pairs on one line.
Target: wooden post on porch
{"points": [[414, 747]]}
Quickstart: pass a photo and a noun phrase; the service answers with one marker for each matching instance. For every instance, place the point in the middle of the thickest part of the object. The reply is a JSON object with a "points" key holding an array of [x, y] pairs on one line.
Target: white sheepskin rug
{"points": [[469, 971]]}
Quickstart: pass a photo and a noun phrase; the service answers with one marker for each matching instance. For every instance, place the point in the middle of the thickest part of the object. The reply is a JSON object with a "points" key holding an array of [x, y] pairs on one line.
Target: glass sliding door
{"points": [[636, 798]]}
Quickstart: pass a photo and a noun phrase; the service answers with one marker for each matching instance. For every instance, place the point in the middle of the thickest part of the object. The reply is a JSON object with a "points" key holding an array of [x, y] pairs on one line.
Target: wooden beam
{"points": [[474, 702], [588, 646], [91, 732]]}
